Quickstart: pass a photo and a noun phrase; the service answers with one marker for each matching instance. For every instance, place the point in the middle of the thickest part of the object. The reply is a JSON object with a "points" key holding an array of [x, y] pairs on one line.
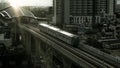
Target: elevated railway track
{"points": [[78, 56]]}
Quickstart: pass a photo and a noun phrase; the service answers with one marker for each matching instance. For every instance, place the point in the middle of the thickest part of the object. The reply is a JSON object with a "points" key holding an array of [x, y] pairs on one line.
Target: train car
{"points": [[64, 36]]}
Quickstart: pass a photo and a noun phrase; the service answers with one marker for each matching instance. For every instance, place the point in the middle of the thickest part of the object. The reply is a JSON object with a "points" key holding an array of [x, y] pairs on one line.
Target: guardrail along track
{"points": [[101, 55]]}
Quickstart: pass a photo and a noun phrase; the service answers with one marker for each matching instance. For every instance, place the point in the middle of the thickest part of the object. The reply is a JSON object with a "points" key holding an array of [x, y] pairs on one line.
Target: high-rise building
{"points": [[58, 12], [74, 12]]}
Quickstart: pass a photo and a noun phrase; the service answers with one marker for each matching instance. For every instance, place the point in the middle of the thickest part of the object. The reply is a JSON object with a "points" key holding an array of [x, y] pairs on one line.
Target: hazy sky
{"points": [[118, 1], [35, 2], [31, 2]]}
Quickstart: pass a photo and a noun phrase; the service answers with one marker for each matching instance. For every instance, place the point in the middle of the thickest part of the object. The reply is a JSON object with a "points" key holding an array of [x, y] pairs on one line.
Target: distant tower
{"points": [[58, 6], [71, 13]]}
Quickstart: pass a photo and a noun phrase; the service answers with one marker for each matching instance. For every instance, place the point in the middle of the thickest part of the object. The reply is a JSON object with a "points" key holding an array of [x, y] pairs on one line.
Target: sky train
{"points": [[64, 36]]}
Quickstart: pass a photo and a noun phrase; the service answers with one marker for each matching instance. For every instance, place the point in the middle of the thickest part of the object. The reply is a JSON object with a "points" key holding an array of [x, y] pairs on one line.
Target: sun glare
{"points": [[18, 3], [15, 4]]}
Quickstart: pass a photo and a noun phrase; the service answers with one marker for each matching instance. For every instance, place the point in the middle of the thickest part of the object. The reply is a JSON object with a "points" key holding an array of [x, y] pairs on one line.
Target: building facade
{"points": [[74, 12]]}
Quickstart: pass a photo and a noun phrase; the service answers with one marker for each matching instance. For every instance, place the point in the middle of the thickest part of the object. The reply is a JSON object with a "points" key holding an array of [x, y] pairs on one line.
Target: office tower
{"points": [[58, 12], [75, 12]]}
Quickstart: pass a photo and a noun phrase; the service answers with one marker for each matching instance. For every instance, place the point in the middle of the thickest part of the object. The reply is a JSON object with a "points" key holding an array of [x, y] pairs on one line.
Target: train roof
{"points": [[57, 29]]}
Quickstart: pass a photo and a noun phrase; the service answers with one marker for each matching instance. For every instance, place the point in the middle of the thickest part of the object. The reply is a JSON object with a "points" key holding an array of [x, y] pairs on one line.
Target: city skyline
{"points": [[36, 2]]}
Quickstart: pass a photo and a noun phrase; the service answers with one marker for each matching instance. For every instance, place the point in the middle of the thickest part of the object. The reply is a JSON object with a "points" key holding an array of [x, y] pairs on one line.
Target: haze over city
{"points": [[118, 1], [59, 33], [29, 2], [35, 2]]}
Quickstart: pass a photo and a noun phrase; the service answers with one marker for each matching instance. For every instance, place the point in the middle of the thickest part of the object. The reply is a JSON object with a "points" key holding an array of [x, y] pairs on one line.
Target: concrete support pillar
{"points": [[37, 47], [28, 42], [49, 57], [67, 63], [37, 57], [40, 48], [23, 38], [46, 54]]}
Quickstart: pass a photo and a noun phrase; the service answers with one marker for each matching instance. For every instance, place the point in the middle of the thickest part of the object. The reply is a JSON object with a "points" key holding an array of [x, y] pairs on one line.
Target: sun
{"points": [[15, 4]]}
